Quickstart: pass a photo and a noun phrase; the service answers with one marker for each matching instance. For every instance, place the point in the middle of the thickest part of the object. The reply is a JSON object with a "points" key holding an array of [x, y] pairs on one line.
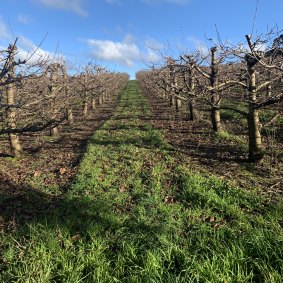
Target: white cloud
{"points": [[153, 51], [67, 5], [23, 19], [28, 50], [151, 57], [261, 46], [243, 48], [199, 45], [38, 56], [125, 52]]}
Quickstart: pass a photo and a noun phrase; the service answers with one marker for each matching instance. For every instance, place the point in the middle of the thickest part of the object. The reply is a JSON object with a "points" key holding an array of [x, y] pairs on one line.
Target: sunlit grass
{"points": [[238, 140], [135, 213]]}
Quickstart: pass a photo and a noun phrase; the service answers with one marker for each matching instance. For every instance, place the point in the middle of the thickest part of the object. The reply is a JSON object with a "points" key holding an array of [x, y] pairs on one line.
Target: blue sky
{"points": [[124, 34]]}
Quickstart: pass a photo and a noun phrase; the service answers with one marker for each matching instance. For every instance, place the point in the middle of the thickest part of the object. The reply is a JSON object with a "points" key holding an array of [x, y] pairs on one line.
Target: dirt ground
{"points": [[207, 153], [46, 168], [48, 165]]}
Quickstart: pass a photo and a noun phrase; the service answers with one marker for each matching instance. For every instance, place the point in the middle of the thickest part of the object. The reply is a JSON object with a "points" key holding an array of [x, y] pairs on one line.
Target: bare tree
{"points": [[234, 73], [36, 96], [8, 72]]}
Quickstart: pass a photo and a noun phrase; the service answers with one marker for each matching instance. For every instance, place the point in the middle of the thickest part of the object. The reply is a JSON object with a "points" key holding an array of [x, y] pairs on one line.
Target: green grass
{"points": [[136, 213], [238, 140], [230, 116]]}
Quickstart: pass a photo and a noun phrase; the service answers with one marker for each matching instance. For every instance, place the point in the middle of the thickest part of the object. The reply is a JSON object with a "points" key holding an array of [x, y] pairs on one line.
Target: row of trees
{"points": [[249, 73], [42, 95]]}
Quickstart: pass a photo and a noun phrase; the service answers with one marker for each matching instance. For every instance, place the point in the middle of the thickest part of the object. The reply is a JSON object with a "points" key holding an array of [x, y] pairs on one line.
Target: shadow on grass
{"points": [[21, 204], [149, 139], [128, 127], [81, 216]]}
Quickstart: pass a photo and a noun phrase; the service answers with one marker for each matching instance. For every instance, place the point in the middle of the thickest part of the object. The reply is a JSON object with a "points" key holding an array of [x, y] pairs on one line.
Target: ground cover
{"points": [[138, 210]]}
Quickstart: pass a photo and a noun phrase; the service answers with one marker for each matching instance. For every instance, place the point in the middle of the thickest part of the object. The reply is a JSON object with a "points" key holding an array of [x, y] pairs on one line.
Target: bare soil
{"points": [[209, 154], [52, 163], [48, 163]]}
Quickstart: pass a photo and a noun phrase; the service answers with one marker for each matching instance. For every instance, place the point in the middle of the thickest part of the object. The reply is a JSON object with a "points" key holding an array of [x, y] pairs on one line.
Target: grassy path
{"points": [[136, 213]]}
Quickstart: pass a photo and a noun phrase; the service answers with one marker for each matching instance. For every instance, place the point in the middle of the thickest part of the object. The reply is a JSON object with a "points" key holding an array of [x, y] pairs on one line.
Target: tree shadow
{"points": [[193, 138], [22, 207], [4, 154], [19, 204]]}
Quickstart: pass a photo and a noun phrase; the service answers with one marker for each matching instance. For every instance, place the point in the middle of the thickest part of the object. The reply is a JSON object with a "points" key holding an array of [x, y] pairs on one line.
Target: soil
{"points": [[46, 162], [209, 154], [54, 162]]}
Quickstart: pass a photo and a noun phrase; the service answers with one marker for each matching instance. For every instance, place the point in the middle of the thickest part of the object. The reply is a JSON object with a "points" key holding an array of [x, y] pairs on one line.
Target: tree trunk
{"points": [[215, 113], [191, 106], [14, 140], [166, 93], [100, 100], [215, 98], [255, 145], [85, 108], [93, 103], [69, 114], [15, 145], [191, 100], [85, 104], [69, 111], [269, 87], [54, 132], [269, 91], [172, 100], [178, 104]]}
